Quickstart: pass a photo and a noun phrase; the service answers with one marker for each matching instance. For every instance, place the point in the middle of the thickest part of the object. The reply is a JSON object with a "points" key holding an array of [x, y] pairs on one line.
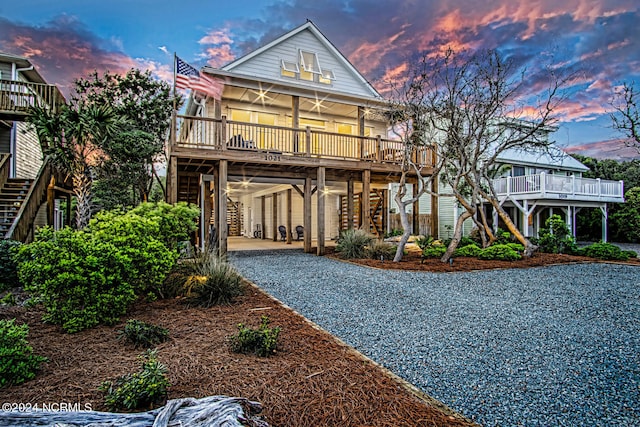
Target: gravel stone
{"points": [[549, 346]]}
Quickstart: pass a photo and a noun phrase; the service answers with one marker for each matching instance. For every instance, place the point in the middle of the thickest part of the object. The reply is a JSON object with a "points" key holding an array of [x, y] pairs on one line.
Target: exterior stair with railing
{"points": [[12, 195]]}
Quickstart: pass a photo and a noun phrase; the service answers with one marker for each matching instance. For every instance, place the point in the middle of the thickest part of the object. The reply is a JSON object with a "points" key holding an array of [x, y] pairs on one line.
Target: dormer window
{"points": [[307, 68], [289, 69], [309, 62]]}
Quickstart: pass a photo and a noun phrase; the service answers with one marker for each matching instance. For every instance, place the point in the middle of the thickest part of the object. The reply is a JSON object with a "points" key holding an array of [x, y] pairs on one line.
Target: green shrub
{"points": [[605, 251], [17, 361], [499, 252], [261, 342], [556, 238], [424, 241], [140, 390], [393, 233], [630, 253], [434, 251], [8, 265], [518, 247], [8, 299], [143, 334], [176, 221], [137, 239], [379, 249], [351, 243], [214, 281], [502, 237], [81, 281], [471, 250]]}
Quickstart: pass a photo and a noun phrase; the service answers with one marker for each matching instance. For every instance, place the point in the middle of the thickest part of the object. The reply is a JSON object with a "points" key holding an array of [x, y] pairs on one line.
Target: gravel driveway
{"points": [[552, 346]]}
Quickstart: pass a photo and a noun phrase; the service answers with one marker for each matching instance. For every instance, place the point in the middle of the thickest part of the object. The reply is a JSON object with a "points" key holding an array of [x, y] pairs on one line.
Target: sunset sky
{"points": [[597, 41]]}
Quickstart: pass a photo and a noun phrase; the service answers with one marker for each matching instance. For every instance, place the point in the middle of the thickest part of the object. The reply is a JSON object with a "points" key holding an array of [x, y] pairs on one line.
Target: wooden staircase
{"points": [[12, 195]]}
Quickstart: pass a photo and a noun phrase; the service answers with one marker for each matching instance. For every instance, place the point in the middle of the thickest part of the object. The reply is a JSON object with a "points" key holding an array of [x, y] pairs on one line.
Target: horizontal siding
{"points": [[5, 71], [28, 153], [267, 65]]}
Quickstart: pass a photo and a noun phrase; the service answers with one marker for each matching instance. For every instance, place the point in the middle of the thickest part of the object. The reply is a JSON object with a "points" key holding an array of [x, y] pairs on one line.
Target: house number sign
{"points": [[272, 157]]}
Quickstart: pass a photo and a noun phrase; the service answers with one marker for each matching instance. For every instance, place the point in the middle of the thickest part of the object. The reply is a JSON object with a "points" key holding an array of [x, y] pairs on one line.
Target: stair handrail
{"points": [[19, 230], [5, 165]]}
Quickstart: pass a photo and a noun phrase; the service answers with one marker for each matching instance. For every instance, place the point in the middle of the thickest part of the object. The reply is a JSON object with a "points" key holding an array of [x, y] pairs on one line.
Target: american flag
{"points": [[187, 77]]}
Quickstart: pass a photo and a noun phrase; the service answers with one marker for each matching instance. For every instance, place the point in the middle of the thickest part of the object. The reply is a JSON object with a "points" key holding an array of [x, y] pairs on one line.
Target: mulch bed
{"points": [[412, 261], [313, 380]]}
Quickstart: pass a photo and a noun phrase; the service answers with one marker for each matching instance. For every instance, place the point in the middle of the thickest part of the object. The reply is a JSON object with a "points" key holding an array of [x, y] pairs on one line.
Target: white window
{"points": [[309, 62], [288, 68]]}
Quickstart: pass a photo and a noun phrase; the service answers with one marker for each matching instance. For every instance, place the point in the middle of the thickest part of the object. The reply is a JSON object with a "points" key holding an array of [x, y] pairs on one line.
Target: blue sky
{"points": [[598, 41]]}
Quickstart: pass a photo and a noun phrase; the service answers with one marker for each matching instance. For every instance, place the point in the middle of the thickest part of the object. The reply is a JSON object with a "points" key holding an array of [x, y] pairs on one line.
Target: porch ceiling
{"points": [[266, 99]]}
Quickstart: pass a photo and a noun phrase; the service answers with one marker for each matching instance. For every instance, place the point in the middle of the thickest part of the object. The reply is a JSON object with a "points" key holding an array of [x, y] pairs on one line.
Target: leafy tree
{"points": [[74, 138], [626, 218], [130, 166]]}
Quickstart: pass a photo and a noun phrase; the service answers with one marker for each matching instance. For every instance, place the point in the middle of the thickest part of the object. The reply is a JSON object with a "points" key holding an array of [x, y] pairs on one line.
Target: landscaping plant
{"points": [[556, 238], [500, 252], [379, 249], [17, 361], [351, 243], [471, 250], [606, 251], [8, 265], [143, 334], [214, 281], [141, 390], [261, 342]]}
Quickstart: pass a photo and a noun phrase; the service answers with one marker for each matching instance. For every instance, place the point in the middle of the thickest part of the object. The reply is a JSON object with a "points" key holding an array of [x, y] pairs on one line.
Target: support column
{"points": [[223, 230], [365, 208], [263, 214], [321, 204], [435, 210], [51, 202], [172, 181], [207, 207], [274, 216], [289, 231], [306, 222], [525, 216], [295, 121], [361, 120], [605, 217], [416, 210], [350, 196]]}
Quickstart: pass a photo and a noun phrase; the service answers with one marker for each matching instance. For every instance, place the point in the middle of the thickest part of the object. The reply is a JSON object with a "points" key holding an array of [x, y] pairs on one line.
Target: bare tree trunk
{"points": [[457, 235], [82, 191], [406, 229], [529, 248]]}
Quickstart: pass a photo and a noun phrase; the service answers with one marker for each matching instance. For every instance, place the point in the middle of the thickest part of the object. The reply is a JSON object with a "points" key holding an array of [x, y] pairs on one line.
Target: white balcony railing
{"points": [[563, 187]]}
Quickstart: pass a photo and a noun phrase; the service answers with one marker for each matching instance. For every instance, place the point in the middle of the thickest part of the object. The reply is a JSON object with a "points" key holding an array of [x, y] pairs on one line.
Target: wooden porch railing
{"points": [[548, 184], [18, 97], [222, 134], [29, 209], [4, 168]]}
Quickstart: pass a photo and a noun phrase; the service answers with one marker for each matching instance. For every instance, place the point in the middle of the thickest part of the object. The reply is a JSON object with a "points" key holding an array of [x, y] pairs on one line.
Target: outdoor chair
{"points": [[283, 232], [299, 232]]}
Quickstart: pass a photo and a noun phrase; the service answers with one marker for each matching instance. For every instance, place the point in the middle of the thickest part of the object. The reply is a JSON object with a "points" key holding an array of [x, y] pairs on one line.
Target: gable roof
{"points": [[358, 85]]}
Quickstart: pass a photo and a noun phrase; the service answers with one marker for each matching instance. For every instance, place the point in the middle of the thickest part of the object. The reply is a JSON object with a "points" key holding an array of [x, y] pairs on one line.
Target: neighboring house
{"points": [[22, 173], [288, 136], [540, 184], [534, 184]]}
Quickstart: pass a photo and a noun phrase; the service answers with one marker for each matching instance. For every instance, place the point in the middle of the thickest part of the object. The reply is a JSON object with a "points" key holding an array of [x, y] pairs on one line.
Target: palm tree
{"points": [[73, 140]]}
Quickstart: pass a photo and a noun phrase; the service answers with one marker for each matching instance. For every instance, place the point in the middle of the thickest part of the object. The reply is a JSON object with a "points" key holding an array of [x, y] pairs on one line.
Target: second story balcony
{"points": [[16, 97], [221, 135], [558, 187]]}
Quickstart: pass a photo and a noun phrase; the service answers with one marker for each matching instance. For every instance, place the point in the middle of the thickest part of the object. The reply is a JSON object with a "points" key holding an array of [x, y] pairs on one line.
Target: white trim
{"points": [[288, 66]]}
